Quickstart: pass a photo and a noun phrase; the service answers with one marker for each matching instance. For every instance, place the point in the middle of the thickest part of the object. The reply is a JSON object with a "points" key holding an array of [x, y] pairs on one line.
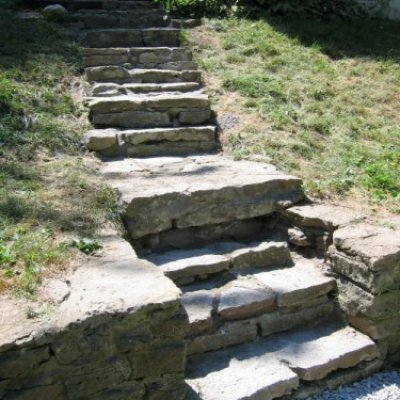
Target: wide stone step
{"points": [[175, 193], [150, 37], [185, 266], [274, 367], [237, 306], [138, 5], [119, 74], [151, 142], [137, 57], [148, 111], [101, 19], [115, 89]]}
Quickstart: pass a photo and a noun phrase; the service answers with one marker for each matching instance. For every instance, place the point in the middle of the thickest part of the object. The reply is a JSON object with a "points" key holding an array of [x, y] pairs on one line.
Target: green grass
{"points": [[320, 99], [51, 203]]}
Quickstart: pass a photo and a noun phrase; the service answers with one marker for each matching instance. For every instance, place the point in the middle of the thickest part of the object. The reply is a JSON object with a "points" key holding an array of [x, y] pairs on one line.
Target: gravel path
{"points": [[381, 386]]}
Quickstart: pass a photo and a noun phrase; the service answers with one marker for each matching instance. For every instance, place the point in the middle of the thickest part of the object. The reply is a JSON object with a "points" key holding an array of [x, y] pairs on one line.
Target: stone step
{"points": [[176, 193], [114, 89], [138, 5], [101, 19], [137, 57], [119, 74], [150, 110], [185, 266], [236, 307], [151, 142], [149, 37], [274, 367]]}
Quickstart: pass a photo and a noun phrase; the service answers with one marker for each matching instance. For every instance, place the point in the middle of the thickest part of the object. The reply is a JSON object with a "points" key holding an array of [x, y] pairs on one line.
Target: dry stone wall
{"points": [[364, 258], [119, 335]]}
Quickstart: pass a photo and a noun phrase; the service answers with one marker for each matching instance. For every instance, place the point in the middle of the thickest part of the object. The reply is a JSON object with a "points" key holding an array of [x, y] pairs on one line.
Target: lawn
{"points": [[51, 203], [319, 99]]}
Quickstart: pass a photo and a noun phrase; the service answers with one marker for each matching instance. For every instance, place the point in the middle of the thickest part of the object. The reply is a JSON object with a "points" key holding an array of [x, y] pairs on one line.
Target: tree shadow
{"points": [[339, 39]]}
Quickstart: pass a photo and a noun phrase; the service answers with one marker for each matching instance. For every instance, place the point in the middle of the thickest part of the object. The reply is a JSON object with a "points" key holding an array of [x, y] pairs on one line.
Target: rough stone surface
{"points": [[243, 372], [245, 297], [297, 284], [82, 349], [190, 192]]}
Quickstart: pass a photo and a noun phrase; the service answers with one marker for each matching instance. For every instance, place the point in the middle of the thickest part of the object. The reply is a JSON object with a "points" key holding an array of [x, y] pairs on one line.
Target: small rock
{"points": [[298, 237], [55, 12]]}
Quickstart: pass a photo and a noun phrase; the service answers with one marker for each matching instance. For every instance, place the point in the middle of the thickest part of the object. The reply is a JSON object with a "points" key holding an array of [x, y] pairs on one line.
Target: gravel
{"points": [[381, 386]]}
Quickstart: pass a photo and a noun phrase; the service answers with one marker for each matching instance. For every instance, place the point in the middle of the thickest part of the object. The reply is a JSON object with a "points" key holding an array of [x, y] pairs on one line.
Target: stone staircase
{"points": [[263, 323]]}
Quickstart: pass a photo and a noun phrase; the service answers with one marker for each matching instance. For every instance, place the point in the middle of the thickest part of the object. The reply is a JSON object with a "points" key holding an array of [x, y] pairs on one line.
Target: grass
{"points": [[52, 205], [319, 99]]}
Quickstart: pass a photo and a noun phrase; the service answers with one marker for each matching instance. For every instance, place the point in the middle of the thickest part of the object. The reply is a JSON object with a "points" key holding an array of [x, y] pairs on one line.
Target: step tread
{"points": [[272, 367], [197, 190], [114, 89], [133, 101], [219, 257], [247, 295]]}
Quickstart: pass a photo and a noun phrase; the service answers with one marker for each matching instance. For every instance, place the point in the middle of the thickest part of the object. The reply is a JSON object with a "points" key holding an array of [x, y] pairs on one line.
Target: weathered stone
{"points": [[229, 334], [357, 302], [298, 237], [18, 362], [297, 284], [199, 307], [377, 329], [100, 139], [124, 391], [161, 37], [279, 321], [189, 192], [242, 379], [243, 298], [265, 254], [377, 247], [194, 116], [321, 216], [132, 119], [55, 12], [107, 73], [313, 357]]}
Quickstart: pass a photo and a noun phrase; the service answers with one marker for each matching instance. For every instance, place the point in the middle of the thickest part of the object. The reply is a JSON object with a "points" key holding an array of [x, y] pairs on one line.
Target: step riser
{"points": [[136, 57], [152, 119], [237, 332], [122, 75], [132, 38], [101, 21], [253, 229]]}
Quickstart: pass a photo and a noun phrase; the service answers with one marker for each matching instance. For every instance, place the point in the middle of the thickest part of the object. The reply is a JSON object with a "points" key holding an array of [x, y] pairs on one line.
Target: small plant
{"points": [[86, 245]]}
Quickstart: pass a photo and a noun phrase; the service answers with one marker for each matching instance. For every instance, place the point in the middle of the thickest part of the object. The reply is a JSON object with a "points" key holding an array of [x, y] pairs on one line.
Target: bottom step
{"points": [[274, 367]]}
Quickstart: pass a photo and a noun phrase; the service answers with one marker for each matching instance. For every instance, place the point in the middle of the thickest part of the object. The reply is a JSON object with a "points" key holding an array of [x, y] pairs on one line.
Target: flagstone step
{"points": [[136, 57], [184, 266], [160, 194], [274, 367], [150, 110], [138, 5], [241, 304], [149, 37], [119, 74], [114, 89], [151, 142], [100, 19]]}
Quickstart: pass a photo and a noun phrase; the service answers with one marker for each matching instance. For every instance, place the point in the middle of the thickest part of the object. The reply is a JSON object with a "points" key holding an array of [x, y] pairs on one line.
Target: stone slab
{"points": [[298, 284], [116, 73], [244, 297], [160, 193], [321, 216], [309, 353]]}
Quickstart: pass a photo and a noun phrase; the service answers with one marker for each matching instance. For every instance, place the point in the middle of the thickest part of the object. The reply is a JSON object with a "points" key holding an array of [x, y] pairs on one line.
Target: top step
{"points": [[150, 37]]}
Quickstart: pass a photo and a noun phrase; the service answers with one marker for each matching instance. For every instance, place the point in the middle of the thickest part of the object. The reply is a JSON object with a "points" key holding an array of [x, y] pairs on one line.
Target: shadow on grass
{"points": [[364, 37]]}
